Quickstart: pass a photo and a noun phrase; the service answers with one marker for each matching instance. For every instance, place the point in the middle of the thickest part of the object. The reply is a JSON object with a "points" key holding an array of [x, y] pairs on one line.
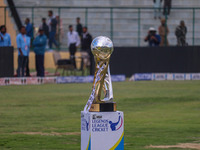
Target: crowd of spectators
{"points": [[51, 32], [161, 39]]}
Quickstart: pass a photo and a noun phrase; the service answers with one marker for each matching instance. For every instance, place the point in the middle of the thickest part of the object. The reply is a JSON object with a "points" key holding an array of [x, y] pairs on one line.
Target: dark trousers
{"points": [[166, 9], [72, 50], [27, 68], [52, 39], [22, 61], [39, 65]]}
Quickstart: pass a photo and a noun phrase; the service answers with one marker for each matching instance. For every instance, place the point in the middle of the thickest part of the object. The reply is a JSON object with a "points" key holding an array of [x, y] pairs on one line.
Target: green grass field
{"points": [[47, 117]]}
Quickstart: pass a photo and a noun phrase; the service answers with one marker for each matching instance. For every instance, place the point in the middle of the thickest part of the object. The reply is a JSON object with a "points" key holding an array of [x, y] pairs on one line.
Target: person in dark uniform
{"points": [[79, 27], [45, 27], [39, 48], [86, 41], [180, 33]]}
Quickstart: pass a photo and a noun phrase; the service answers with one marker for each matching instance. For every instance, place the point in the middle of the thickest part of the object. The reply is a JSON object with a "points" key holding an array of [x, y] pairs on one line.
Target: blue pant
{"points": [[52, 39], [22, 61], [39, 65]]}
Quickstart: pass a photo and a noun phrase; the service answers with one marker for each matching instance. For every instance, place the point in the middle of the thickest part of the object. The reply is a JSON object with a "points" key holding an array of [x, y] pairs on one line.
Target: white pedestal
{"points": [[102, 130]]}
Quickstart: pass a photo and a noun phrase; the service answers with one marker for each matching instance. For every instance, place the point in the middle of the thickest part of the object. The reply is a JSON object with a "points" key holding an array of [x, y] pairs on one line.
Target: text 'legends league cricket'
{"points": [[102, 126]]}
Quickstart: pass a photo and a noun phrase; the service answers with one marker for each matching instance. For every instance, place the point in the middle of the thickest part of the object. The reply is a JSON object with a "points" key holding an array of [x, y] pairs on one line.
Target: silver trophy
{"points": [[102, 48]]}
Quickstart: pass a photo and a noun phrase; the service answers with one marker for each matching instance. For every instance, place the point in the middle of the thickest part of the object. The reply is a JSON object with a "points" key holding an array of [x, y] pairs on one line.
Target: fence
{"points": [[126, 26]]}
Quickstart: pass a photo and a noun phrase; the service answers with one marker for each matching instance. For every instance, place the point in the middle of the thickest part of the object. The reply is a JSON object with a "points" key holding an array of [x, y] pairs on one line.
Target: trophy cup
{"points": [[102, 48], [102, 127]]}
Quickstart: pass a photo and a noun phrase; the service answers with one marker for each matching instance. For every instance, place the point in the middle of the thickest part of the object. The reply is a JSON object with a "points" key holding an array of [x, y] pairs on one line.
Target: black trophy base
{"points": [[103, 107]]}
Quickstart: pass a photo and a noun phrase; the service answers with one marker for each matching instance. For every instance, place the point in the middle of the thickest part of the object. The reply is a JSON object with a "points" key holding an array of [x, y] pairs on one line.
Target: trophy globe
{"points": [[102, 47]]}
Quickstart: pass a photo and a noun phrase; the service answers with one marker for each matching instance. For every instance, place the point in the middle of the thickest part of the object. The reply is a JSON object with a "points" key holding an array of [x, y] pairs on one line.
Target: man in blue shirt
{"points": [[39, 48], [29, 28], [153, 38], [52, 29], [5, 39], [23, 46], [29, 33]]}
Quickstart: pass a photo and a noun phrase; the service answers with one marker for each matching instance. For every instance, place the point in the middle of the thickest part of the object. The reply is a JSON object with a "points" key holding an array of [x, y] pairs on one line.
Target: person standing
{"points": [[167, 7], [180, 32], [59, 31], [39, 48], [52, 29], [5, 39], [23, 46], [79, 27], [29, 28], [73, 43], [29, 33], [157, 9], [163, 32], [86, 41], [45, 27]]}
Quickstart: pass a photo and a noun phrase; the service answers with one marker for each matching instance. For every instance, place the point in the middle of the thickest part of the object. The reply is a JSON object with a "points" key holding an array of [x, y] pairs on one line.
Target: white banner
{"points": [[102, 130]]}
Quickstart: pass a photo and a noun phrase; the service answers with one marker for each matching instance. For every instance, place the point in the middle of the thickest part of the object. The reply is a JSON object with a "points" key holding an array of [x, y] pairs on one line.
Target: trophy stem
{"points": [[100, 84]]}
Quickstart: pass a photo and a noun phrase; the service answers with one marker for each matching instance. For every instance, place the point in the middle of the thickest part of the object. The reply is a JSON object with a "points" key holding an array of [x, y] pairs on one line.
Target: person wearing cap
{"points": [[163, 32], [152, 37], [39, 48]]}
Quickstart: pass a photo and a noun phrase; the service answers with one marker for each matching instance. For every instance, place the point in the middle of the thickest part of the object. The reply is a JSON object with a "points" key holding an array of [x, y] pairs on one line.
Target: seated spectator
{"points": [[152, 37], [39, 48], [180, 32], [5, 39]]}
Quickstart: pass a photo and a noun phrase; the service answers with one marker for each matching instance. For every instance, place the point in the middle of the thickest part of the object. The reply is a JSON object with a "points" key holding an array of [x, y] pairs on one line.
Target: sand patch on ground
{"points": [[180, 145], [48, 134]]}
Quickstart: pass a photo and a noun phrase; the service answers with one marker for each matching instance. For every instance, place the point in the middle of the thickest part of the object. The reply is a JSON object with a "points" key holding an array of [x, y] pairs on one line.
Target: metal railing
{"points": [[140, 15]]}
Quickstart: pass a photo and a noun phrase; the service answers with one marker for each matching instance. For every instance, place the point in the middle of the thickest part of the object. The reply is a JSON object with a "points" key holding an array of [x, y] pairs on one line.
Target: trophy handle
{"points": [[108, 91]]}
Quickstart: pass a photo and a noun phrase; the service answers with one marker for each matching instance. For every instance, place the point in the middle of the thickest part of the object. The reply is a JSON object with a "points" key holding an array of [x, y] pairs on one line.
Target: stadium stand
{"points": [[125, 21]]}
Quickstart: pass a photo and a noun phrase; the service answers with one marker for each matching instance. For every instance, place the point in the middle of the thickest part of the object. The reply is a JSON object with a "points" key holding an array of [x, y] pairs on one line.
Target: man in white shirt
{"points": [[73, 43]]}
